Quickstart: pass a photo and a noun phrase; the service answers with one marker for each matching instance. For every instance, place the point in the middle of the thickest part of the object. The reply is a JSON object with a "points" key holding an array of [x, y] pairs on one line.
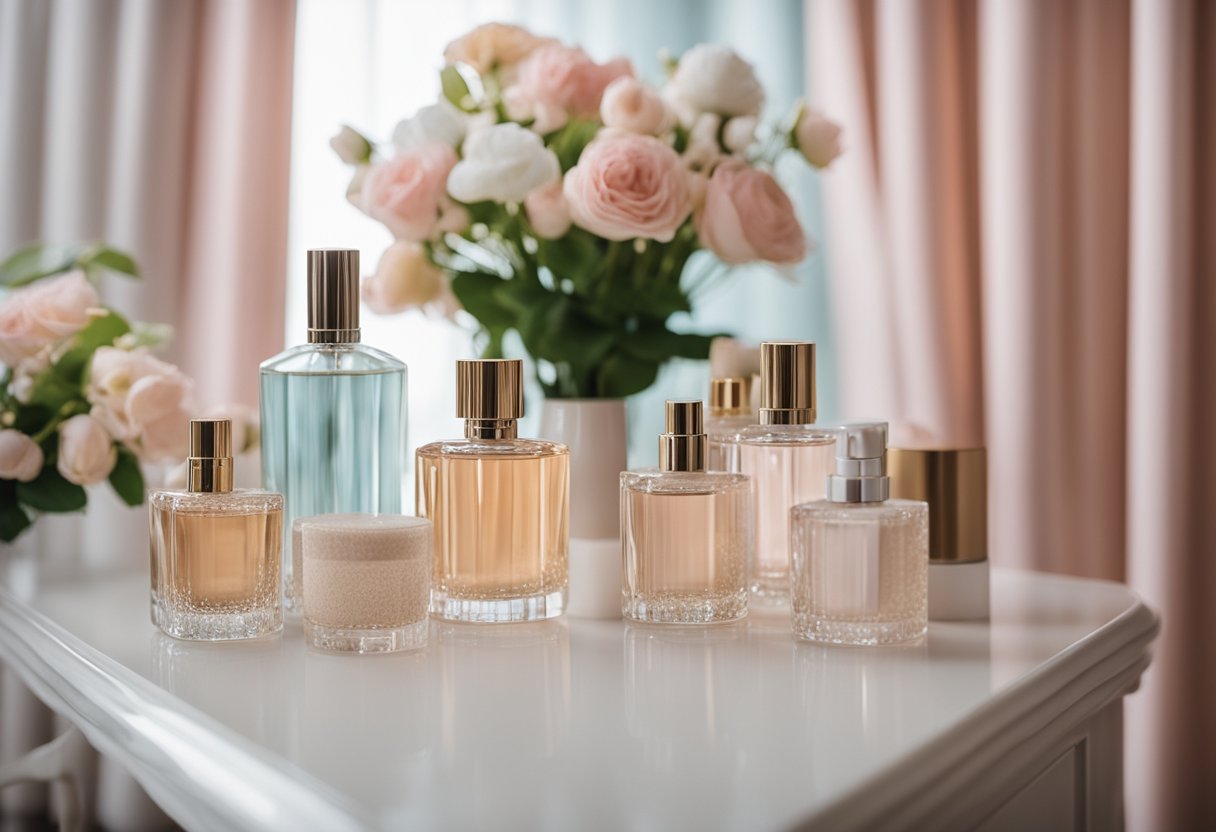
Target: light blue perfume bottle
{"points": [[333, 414]]}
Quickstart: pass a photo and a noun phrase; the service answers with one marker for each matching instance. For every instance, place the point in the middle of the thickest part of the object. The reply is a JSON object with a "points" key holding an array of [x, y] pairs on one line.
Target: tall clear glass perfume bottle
{"points": [[787, 457], [685, 532], [500, 505], [215, 552], [860, 559], [730, 411], [333, 413]]}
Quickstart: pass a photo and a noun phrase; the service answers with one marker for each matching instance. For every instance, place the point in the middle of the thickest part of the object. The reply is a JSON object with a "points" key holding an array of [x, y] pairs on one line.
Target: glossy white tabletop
{"points": [[572, 723]]}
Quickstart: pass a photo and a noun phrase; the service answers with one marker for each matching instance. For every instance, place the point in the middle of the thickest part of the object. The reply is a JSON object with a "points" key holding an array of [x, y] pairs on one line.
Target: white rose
{"points": [[502, 163], [351, 146], [20, 457], [739, 133], [712, 78], [629, 104], [434, 123], [86, 451], [817, 137]]}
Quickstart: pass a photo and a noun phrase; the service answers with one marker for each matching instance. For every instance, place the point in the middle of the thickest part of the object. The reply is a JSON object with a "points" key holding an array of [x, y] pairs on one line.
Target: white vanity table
{"points": [[575, 724]]}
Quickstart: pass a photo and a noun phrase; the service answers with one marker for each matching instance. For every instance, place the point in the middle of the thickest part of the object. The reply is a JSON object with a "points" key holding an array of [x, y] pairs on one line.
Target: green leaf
{"points": [[112, 259], [100, 332], [128, 479], [569, 141], [623, 375], [13, 520], [662, 345], [36, 261], [576, 256], [456, 89], [50, 492], [476, 293]]}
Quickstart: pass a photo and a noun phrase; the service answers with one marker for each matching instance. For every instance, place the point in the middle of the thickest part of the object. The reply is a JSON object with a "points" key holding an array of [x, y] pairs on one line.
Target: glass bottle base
{"points": [[860, 633], [685, 609], [218, 626], [498, 610], [355, 640]]}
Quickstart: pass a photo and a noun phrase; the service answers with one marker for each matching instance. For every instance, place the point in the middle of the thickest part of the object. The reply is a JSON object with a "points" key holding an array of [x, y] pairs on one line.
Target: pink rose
{"points": [[404, 278], [43, 313], [629, 104], [627, 186], [144, 402], [547, 211], [86, 451], [748, 217], [493, 46], [20, 457], [817, 137], [559, 82], [404, 192]]}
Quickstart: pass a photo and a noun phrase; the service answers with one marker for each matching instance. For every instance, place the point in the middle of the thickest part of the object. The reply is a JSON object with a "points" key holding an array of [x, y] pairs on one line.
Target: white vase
{"points": [[594, 431]]}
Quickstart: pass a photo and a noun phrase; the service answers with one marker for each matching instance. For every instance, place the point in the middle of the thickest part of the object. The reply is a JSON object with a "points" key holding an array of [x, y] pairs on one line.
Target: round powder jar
{"points": [[367, 582]]}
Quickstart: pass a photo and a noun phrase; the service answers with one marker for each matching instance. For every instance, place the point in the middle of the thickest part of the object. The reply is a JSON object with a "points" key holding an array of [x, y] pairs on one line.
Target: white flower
{"points": [[435, 123], [20, 457], [817, 137], [351, 146], [86, 451], [739, 133], [712, 78], [502, 163]]}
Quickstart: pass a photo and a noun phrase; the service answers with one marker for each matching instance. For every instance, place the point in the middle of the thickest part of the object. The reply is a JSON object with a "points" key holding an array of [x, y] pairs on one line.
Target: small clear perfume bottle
{"points": [[333, 414], [216, 552], [730, 411], [500, 506], [685, 532], [787, 457], [860, 559]]}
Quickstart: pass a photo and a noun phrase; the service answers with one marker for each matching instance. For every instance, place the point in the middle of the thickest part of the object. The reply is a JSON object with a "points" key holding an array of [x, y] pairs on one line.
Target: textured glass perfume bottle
{"points": [[860, 560], [787, 457], [730, 412], [500, 505], [685, 532], [215, 552], [333, 413]]}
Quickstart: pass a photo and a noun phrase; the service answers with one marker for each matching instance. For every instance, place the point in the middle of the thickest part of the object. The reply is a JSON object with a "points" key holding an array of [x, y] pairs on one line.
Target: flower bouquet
{"points": [[567, 200], [82, 400]]}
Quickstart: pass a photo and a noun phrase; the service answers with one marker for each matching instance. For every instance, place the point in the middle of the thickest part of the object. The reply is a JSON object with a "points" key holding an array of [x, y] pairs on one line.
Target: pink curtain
{"points": [[1023, 229], [164, 129]]}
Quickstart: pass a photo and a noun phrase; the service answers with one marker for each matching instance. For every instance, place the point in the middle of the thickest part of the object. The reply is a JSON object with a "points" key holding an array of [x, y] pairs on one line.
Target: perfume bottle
{"points": [[216, 552], [860, 559], [787, 457], [500, 506], [333, 414], [954, 482], [685, 532], [730, 411]]}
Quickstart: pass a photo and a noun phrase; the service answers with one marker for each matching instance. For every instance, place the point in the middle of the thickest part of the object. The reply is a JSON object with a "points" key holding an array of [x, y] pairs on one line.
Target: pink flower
{"points": [[404, 192], [626, 186], [559, 82], [493, 46], [20, 457], [44, 313], [747, 217], [629, 104], [547, 211], [817, 137], [86, 451], [404, 278], [144, 402]]}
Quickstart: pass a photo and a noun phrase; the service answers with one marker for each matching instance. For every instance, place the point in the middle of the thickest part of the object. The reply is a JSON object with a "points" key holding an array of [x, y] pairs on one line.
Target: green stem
{"points": [[66, 412]]}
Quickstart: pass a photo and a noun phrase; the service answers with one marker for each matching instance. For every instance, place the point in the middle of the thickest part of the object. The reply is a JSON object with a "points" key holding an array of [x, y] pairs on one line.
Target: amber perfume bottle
{"points": [[685, 532], [500, 506], [215, 551], [860, 559], [730, 412], [787, 457]]}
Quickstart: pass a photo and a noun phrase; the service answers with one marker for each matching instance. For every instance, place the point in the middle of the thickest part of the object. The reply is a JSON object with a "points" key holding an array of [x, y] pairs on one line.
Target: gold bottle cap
{"points": [[210, 462], [954, 482], [333, 296], [682, 445], [787, 383], [730, 396], [489, 396]]}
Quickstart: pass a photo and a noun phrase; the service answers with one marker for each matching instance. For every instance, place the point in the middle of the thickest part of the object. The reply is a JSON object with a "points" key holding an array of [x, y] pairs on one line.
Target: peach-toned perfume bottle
{"points": [[730, 412], [787, 456], [860, 560], [215, 551], [685, 532], [500, 506]]}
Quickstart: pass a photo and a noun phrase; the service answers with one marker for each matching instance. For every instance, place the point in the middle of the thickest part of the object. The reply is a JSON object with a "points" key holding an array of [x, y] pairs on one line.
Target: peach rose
{"points": [[43, 313], [817, 137], [747, 216], [404, 192], [558, 82], [547, 211], [143, 401], [86, 451], [20, 457], [404, 278], [629, 104], [626, 186], [492, 46]]}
